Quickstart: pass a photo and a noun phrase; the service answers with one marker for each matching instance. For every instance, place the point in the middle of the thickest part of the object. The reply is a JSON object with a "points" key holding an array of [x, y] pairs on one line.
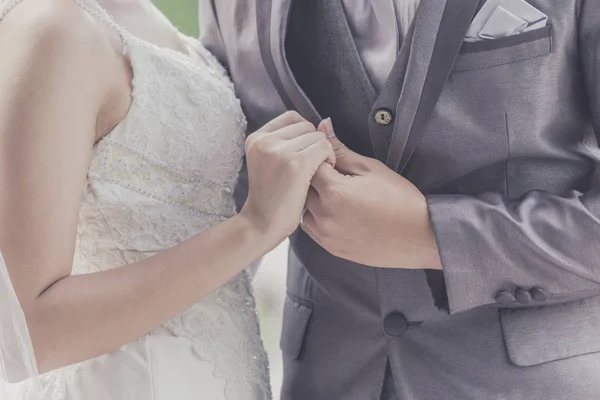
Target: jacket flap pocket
{"points": [[295, 321], [542, 334], [489, 53]]}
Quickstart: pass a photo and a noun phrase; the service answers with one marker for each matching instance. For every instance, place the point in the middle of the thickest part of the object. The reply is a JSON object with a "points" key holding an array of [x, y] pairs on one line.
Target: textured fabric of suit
{"points": [[501, 137], [346, 98]]}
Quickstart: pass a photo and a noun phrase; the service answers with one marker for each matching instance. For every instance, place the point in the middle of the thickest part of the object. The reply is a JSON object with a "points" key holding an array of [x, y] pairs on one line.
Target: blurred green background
{"points": [[183, 13]]}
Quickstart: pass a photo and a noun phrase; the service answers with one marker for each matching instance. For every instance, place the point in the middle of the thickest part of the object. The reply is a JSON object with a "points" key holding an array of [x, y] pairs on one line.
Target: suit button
{"points": [[504, 297], [395, 324], [523, 296], [383, 116], [538, 294]]}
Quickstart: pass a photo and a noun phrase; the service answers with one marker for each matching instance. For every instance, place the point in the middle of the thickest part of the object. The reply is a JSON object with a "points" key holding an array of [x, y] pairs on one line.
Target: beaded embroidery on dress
{"points": [[165, 173]]}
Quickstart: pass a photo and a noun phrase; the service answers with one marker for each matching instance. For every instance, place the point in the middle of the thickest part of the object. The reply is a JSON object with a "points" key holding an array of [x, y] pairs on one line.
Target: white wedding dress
{"points": [[165, 173]]}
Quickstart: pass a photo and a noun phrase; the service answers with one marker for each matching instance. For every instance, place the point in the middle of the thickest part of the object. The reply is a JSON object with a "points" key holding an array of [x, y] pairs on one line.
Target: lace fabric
{"points": [[164, 174]]}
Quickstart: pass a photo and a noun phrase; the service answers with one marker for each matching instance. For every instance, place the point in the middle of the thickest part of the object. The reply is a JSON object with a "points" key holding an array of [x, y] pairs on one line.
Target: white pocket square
{"points": [[501, 18]]}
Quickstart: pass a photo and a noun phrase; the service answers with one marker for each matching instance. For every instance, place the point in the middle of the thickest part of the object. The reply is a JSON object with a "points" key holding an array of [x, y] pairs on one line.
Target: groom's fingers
{"points": [[347, 161], [324, 178], [327, 128], [312, 201]]}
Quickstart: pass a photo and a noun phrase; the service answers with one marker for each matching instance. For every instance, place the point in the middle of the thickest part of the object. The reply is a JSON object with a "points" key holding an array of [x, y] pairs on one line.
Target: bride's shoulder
{"points": [[52, 49], [51, 28]]}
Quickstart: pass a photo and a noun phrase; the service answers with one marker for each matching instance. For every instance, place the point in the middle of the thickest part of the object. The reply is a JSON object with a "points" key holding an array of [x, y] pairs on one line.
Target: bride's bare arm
{"points": [[53, 88]]}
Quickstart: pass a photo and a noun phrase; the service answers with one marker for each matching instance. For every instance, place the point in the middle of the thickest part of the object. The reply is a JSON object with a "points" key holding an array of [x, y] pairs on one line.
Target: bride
{"points": [[123, 272]]}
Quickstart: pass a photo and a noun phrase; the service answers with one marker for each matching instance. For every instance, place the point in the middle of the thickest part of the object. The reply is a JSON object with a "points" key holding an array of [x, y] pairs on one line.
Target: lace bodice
{"points": [[165, 173]]}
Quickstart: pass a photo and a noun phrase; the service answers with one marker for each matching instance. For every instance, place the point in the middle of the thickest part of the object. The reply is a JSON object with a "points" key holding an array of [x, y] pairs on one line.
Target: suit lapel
{"points": [[272, 19], [440, 27], [422, 69]]}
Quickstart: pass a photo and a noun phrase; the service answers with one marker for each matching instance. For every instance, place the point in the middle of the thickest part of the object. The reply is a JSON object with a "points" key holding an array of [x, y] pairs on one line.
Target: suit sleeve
{"points": [[498, 250], [210, 32], [211, 38]]}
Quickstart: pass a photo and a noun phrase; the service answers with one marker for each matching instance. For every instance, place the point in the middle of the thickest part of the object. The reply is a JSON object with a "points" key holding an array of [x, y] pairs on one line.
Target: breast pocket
{"points": [[507, 50]]}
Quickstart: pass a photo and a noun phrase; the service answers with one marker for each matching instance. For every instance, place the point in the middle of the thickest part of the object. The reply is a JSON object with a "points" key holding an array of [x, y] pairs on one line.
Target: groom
{"points": [[482, 280]]}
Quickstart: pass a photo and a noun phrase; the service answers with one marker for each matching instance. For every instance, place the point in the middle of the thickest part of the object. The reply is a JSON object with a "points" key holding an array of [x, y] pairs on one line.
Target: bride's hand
{"points": [[282, 158]]}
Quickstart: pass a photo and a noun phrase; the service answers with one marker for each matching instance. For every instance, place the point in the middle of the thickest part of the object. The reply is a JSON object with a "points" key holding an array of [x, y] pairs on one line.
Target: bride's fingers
{"points": [[291, 131], [274, 141], [318, 153], [301, 142], [285, 119]]}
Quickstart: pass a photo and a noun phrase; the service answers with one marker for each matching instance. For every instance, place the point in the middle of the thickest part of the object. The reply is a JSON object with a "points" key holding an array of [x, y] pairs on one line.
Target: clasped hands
{"points": [[362, 211], [355, 207]]}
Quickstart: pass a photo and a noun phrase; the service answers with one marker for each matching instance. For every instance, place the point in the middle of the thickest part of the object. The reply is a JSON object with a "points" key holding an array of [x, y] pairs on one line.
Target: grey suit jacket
{"points": [[502, 137]]}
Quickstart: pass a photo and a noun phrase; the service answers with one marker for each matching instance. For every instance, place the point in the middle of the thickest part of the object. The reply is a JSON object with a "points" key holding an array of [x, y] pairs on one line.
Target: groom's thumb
{"points": [[346, 161]]}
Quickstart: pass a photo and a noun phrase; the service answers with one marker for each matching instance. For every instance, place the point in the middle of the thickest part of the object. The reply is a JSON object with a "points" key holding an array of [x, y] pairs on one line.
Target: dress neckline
{"points": [[198, 62], [97, 10]]}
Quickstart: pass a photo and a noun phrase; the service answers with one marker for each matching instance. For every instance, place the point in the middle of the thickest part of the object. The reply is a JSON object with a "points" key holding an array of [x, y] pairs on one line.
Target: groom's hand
{"points": [[365, 212]]}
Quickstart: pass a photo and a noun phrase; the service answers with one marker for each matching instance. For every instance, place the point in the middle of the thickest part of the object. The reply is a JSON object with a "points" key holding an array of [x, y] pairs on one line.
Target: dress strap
{"points": [[98, 12], [6, 6]]}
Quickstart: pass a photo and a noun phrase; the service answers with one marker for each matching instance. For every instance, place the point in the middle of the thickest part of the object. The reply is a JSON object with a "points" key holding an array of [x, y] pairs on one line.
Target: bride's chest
{"points": [[184, 116]]}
